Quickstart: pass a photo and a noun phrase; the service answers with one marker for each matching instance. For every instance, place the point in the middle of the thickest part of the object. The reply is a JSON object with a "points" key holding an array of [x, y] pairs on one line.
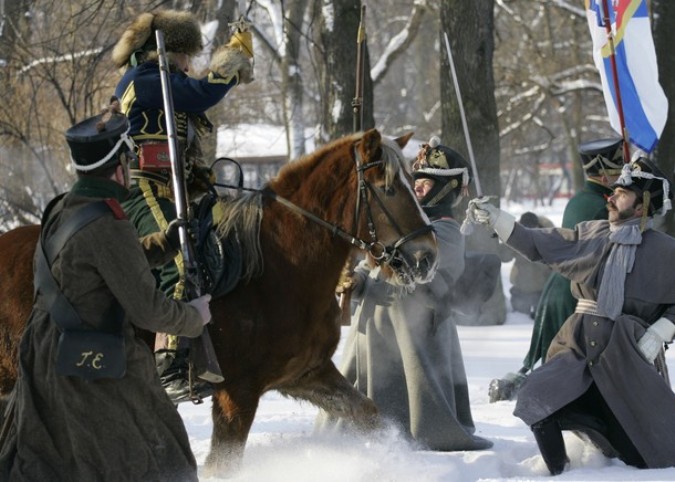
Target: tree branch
{"points": [[400, 42]]}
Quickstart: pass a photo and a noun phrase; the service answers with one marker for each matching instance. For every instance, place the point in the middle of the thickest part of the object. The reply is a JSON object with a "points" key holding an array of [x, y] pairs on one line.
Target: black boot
{"points": [[549, 438], [174, 374]]}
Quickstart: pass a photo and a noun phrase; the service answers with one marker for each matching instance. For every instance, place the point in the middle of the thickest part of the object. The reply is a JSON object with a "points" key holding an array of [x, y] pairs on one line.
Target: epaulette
{"points": [[116, 208]]}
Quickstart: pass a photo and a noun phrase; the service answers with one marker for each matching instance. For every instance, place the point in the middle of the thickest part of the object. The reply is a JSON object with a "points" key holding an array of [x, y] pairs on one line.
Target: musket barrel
{"points": [[177, 171]]}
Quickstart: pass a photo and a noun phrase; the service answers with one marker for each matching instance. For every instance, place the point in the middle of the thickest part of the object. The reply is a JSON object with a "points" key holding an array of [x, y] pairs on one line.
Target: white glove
{"points": [[651, 343], [202, 305], [482, 212]]}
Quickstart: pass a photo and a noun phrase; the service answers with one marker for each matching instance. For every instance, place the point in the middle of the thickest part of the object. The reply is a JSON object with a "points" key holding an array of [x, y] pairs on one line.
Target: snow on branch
{"points": [[565, 5], [60, 58], [398, 44]]}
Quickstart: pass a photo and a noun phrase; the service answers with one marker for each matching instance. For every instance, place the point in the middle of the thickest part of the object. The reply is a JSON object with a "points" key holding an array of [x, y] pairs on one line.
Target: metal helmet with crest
{"points": [[447, 168]]}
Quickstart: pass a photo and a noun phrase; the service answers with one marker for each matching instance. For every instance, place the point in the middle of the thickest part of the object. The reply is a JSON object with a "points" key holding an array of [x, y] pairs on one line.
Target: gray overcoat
{"points": [[590, 348], [403, 352]]}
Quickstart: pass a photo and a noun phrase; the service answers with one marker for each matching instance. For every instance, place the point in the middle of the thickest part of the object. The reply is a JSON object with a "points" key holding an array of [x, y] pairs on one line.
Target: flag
{"points": [[645, 105]]}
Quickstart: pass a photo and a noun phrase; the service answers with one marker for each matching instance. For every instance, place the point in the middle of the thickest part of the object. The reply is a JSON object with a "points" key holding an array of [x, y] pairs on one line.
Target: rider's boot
{"points": [[174, 374]]}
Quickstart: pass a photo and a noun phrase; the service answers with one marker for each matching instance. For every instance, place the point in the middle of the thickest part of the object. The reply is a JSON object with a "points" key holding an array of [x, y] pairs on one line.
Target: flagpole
{"points": [[615, 78]]}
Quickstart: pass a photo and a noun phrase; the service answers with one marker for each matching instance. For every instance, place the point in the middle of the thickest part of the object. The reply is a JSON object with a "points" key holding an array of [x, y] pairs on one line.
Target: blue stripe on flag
{"points": [[640, 130]]}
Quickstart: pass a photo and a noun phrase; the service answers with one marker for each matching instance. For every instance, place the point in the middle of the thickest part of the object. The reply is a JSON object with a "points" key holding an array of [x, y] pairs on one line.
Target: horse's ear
{"points": [[403, 140], [371, 142]]}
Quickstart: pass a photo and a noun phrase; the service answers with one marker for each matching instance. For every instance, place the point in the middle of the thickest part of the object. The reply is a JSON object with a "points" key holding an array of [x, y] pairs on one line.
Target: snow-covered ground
{"points": [[282, 446]]}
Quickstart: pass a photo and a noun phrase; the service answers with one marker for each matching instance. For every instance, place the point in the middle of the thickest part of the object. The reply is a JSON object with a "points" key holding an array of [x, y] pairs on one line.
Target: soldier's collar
{"points": [[99, 188]]}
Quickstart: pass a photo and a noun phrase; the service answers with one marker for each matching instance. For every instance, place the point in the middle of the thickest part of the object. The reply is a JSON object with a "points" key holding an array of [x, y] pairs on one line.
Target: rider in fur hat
{"points": [[151, 205]]}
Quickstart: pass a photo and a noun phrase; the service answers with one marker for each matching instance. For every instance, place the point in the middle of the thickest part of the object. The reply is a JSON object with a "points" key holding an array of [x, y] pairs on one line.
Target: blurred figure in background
{"points": [[527, 278]]}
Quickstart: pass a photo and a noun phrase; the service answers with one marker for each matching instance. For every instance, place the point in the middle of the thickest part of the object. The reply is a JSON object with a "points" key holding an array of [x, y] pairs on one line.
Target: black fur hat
{"points": [[602, 156]]}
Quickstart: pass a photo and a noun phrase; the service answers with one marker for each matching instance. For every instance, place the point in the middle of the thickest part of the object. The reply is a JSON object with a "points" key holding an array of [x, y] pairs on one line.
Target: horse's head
{"points": [[388, 215]]}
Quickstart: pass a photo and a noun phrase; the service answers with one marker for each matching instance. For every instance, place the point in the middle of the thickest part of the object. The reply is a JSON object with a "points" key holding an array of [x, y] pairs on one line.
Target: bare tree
{"points": [[336, 48], [469, 28], [54, 73], [548, 90], [663, 25]]}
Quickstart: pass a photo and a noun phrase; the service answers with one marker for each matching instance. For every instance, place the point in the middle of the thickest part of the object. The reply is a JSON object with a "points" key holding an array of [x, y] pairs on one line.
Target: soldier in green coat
{"points": [[602, 160], [93, 424]]}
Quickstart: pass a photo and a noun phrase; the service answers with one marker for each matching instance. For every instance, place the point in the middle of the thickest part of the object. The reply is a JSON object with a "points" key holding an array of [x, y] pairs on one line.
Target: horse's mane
{"points": [[292, 174], [241, 217], [394, 160]]}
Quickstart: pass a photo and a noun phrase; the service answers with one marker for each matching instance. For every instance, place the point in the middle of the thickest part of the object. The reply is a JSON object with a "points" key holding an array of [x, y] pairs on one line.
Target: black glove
{"points": [[172, 233]]}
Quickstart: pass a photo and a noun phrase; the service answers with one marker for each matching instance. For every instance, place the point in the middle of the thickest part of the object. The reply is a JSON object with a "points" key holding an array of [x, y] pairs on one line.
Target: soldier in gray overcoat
{"points": [[602, 161], [599, 377], [403, 350]]}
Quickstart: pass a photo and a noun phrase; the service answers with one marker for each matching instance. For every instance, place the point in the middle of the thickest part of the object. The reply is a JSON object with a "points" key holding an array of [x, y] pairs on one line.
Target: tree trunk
{"points": [[663, 26], [470, 28], [338, 49], [291, 74]]}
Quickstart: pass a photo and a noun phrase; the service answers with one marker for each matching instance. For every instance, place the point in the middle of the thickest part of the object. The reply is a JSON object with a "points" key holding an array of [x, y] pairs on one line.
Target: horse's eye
{"points": [[388, 190]]}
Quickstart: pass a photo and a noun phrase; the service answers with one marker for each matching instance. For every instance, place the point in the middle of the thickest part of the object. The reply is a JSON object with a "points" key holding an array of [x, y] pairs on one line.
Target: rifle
{"points": [[357, 102], [357, 110], [202, 355]]}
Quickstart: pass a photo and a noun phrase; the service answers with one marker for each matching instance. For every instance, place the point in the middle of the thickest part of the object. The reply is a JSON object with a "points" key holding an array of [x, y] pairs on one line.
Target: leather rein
{"points": [[379, 252]]}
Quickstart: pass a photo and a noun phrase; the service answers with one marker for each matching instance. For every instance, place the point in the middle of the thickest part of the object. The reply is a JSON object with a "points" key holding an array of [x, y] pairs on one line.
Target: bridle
{"points": [[379, 252]]}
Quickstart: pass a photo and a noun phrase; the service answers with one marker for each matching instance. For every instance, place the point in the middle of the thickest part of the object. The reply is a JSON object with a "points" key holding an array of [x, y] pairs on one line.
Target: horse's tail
{"points": [[242, 217]]}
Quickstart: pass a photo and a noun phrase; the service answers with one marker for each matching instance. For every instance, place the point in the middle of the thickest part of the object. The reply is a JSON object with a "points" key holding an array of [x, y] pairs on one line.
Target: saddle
{"points": [[219, 260]]}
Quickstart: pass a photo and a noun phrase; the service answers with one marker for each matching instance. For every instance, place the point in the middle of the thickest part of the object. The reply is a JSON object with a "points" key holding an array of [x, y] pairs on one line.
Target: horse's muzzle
{"points": [[418, 266], [425, 266]]}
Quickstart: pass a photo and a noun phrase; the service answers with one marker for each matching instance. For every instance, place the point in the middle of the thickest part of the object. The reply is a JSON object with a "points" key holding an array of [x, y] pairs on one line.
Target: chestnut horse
{"points": [[279, 327]]}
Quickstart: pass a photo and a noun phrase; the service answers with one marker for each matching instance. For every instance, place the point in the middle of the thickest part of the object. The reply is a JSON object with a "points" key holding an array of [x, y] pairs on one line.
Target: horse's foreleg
{"points": [[328, 389], [233, 414]]}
